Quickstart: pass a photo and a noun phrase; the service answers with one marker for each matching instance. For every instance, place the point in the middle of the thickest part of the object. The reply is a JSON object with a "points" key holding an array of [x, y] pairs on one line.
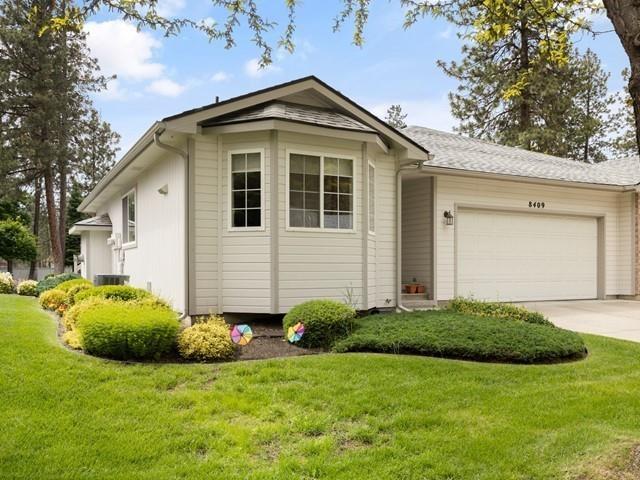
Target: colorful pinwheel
{"points": [[295, 333], [241, 334]]}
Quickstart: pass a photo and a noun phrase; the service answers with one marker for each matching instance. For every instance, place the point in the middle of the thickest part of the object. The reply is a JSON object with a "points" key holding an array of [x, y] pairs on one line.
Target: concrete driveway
{"points": [[611, 318]]}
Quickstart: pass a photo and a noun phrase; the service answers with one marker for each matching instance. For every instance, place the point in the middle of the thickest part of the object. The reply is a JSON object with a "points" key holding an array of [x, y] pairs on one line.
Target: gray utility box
{"points": [[110, 280]]}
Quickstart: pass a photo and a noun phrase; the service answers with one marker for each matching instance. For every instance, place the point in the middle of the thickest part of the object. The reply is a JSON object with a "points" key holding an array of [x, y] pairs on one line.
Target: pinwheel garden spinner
{"points": [[241, 334], [295, 333]]}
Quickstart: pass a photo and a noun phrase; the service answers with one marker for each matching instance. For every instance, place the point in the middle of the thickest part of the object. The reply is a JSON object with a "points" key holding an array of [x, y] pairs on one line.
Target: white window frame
{"points": [[322, 156], [372, 231], [263, 207], [126, 245]]}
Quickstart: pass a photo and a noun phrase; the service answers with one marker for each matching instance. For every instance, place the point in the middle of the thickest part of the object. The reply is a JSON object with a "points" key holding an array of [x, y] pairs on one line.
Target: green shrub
{"points": [[449, 334], [73, 291], [54, 300], [497, 310], [123, 293], [27, 288], [126, 330], [67, 285], [70, 318], [324, 321], [206, 341], [73, 339], [7, 283], [53, 281]]}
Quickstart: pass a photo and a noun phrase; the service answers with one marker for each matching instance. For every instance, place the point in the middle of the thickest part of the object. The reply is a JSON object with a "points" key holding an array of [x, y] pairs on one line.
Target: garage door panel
{"points": [[520, 256]]}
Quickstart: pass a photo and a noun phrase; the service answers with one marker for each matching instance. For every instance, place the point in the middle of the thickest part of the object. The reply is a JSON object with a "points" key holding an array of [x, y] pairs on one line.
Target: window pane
{"points": [[330, 219], [346, 221], [312, 165], [312, 201], [296, 200], [239, 218], [331, 184], [345, 203], [311, 219], [253, 180], [239, 181], [312, 183], [253, 199], [132, 207], [346, 185], [296, 181], [330, 201], [330, 166], [296, 218], [253, 217], [253, 161], [132, 232], [346, 168], [238, 199], [238, 162], [372, 198], [297, 164], [125, 220]]}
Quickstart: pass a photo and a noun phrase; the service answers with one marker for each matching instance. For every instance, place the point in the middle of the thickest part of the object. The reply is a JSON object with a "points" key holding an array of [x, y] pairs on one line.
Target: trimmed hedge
{"points": [[124, 293], [206, 341], [325, 321], [53, 281], [54, 300], [70, 318], [128, 331], [7, 284], [454, 335], [497, 310], [27, 288], [68, 285]]}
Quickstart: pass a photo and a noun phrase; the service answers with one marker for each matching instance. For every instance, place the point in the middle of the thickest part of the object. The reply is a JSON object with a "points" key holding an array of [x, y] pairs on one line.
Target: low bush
{"points": [[54, 300], [128, 331], [53, 281], [73, 339], [7, 284], [497, 310], [68, 285], [123, 293], [73, 291], [27, 288], [324, 321], [70, 318], [454, 335], [206, 341]]}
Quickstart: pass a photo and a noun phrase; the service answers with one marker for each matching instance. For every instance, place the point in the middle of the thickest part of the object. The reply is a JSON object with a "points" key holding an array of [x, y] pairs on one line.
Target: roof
{"points": [[458, 152], [296, 113], [101, 222]]}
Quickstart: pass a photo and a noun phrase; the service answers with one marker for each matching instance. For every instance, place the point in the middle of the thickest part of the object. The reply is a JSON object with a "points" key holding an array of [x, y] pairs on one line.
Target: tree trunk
{"points": [[62, 210], [525, 100], [36, 224], [625, 16], [52, 217], [10, 266]]}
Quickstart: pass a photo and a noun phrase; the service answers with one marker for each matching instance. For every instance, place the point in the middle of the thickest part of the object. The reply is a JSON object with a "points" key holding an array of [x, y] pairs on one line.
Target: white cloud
{"points": [[433, 113], [169, 8], [122, 50], [252, 68], [114, 91], [446, 34], [221, 76], [166, 87]]}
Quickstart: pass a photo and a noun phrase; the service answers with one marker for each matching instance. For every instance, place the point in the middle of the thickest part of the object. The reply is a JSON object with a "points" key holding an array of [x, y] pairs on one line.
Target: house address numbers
{"points": [[535, 204]]}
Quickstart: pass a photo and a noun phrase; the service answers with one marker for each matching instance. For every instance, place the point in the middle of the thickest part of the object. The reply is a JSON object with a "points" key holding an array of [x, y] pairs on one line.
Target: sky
{"points": [[159, 76]]}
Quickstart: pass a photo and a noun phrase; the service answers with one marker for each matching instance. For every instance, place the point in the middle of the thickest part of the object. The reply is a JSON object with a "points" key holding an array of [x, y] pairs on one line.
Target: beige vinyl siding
{"points": [[453, 192], [417, 231], [385, 231]]}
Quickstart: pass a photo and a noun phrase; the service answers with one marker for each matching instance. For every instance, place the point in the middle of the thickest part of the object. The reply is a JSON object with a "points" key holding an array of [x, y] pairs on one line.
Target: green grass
{"points": [[69, 416], [455, 335]]}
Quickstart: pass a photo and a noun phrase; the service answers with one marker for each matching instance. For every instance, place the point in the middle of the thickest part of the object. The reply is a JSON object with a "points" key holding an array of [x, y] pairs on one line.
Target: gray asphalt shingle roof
{"points": [[463, 153], [293, 112], [99, 221]]}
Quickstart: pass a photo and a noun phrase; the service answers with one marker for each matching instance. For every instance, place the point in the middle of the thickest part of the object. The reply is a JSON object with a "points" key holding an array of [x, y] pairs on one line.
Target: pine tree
{"points": [[73, 241], [622, 121], [395, 117]]}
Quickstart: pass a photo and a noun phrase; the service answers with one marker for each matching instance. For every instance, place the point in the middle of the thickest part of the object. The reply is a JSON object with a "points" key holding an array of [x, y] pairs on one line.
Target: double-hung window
{"points": [[129, 218], [372, 198], [320, 192], [246, 190]]}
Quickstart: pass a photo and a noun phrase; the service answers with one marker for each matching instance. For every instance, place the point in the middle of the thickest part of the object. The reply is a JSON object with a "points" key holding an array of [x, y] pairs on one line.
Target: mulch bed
{"points": [[268, 342]]}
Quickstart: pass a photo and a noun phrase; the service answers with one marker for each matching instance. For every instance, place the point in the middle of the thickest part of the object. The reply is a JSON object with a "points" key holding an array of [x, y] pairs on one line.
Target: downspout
{"points": [[185, 156], [417, 167]]}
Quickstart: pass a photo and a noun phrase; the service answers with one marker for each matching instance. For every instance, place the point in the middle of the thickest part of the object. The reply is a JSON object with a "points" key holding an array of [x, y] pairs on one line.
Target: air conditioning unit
{"points": [[99, 280]]}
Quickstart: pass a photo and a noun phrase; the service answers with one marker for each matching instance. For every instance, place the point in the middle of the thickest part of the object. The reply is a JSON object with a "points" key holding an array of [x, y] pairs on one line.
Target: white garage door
{"points": [[509, 256]]}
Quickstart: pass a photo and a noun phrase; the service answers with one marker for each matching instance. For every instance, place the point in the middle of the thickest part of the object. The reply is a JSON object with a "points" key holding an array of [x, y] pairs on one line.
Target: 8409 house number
{"points": [[536, 204]]}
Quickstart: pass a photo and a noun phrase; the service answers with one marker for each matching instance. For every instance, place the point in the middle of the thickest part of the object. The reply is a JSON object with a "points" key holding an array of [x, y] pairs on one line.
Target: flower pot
{"points": [[410, 289], [420, 289]]}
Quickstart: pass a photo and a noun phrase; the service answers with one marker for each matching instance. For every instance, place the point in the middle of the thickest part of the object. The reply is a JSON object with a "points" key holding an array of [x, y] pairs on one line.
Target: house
{"points": [[257, 203]]}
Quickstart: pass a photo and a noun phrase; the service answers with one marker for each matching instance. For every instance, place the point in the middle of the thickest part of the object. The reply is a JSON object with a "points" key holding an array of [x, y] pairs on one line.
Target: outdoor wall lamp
{"points": [[448, 217]]}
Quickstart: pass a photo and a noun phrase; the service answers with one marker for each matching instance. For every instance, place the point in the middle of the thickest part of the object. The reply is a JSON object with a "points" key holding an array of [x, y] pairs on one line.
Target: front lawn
{"points": [[347, 416]]}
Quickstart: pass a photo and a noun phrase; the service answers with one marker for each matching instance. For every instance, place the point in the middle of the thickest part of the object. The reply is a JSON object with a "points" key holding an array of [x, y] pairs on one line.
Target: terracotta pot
{"points": [[420, 289], [411, 289]]}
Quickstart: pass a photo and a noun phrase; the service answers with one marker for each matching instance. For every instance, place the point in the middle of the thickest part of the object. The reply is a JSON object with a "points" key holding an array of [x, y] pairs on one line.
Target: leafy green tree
{"points": [[396, 117], [73, 241], [16, 243], [622, 121]]}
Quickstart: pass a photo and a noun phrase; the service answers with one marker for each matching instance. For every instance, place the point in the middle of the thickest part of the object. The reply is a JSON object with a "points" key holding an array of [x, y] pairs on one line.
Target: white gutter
{"points": [[185, 156]]}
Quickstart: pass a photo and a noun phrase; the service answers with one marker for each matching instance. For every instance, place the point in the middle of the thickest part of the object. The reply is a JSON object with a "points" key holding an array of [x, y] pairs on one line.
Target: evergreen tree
{"points": [[73, 241], [395, 117], [622, 121]]}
